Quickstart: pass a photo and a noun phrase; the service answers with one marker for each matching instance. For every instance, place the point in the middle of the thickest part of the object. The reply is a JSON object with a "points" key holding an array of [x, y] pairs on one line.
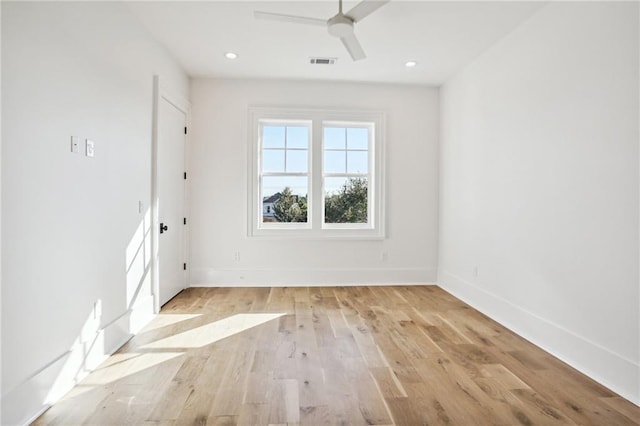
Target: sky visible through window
{"points": [[285, 149]]}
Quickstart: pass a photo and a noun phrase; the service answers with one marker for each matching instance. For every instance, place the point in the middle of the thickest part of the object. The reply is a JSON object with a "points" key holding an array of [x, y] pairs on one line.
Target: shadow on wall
{"points": [[95, 341], [138, 261]]}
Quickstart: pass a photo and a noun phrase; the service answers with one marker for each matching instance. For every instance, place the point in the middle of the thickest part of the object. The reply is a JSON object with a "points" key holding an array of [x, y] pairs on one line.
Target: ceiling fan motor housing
{"points": [[340, 26]]}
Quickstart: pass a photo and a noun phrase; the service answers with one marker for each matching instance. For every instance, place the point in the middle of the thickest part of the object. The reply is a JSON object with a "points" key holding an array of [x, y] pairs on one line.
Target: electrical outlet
{"points": [[384, 256], [236, 256], [475, 271]]}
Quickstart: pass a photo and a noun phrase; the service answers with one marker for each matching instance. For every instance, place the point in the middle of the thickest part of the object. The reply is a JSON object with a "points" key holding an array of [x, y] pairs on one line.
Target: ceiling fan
{"points": [[340, 25]]}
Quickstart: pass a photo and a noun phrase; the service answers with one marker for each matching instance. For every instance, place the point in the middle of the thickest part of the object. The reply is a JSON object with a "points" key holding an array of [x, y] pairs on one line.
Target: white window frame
{"points": [[308, 174], [315, 228], [370, 175]]}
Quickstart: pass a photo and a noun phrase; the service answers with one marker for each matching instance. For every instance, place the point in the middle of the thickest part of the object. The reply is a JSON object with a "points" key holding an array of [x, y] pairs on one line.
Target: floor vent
{"points": [[323, 61]]}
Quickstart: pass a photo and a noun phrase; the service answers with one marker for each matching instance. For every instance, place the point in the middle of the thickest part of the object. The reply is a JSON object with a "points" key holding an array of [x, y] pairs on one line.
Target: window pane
{"points": [[334, 161], [298, 137], [297, 161], [357, 138], [273, 160], [272, 136], [284, 199], [334, 138], [357, 161], [334, 185], [345, 200]]}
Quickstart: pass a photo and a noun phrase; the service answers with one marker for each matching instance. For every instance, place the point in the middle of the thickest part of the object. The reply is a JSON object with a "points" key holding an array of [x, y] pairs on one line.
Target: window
{"points": [[315, 173], [345, 176], [284, 172]]}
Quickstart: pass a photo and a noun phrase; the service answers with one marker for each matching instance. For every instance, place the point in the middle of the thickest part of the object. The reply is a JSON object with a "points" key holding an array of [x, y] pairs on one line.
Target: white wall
{"points": [[0, 214], [68, 221], [539, 186], [218, 186]]}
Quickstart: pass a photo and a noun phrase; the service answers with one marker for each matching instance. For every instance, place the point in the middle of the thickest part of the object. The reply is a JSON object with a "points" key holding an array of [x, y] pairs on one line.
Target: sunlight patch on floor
{"points": [[164, 320], [122, 365], [133, 365], [212, 332]]}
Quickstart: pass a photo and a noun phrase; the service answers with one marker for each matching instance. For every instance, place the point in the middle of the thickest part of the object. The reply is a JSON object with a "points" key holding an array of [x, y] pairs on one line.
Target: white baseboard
{"points": [[25, 402], [612, 370], [312, 277]]}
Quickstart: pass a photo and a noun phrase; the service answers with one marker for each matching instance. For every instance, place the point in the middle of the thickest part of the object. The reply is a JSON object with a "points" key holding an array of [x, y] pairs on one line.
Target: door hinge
{"points": [[184, 266], [185, 175], [185, 130], [184, 220]]}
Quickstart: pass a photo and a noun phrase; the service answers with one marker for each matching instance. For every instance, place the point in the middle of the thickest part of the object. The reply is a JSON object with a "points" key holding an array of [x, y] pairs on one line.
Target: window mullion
{"points": [[348, 175], [346, 151], [316, 176], [285, 149], [281, 174]]}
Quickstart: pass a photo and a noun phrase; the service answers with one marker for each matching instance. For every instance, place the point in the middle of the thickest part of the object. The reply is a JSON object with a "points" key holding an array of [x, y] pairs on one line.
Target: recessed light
{"points": [[230, 55], [410, 64]]}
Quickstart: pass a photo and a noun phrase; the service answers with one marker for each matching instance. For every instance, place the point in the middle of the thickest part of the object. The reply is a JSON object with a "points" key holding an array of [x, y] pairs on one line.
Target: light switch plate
{"points": [[90, 145], [75, 144]]}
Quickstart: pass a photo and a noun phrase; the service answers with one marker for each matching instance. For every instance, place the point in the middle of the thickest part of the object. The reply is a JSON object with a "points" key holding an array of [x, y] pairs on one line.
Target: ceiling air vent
{"points": [[323, 61]]}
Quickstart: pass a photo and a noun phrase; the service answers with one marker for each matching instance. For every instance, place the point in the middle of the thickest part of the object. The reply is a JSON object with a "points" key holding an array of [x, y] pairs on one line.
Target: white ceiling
{"points": [[442, 36]]}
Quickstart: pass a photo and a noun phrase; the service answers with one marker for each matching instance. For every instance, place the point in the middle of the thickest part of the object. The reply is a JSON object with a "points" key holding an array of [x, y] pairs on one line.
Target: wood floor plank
{"points": [[180, 390], [316, 415], [403, 355], [388, 384], [622, 406], [199, 404]]}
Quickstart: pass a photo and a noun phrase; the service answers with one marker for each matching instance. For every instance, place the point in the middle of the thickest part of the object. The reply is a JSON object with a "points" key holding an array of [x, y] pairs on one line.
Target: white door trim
{"points": [[160, 92]]}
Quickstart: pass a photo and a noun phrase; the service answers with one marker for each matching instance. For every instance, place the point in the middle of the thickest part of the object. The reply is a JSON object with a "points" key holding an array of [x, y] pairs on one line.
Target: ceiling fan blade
{"points": [[364, 9], [289, 18], [353, 47]]}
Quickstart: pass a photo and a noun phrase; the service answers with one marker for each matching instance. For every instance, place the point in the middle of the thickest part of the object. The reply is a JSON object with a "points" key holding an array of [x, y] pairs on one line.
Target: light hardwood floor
{"points": [[345, 355]]}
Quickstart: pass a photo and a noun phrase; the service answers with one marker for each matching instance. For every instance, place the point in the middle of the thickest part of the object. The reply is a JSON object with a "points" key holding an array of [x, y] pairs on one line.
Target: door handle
{"points": [[163, 228]]}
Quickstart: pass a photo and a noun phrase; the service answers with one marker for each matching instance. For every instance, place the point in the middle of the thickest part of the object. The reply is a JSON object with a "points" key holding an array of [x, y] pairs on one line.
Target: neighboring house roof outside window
{"points": [[272, 199]]}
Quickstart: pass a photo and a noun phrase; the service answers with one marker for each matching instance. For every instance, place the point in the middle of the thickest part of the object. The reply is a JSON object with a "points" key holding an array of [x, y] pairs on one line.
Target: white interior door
{"points": [[170, 202]]}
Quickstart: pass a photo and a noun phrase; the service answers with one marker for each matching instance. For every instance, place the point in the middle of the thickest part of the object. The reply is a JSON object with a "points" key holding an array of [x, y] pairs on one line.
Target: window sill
{"points": [[318, 235]]}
